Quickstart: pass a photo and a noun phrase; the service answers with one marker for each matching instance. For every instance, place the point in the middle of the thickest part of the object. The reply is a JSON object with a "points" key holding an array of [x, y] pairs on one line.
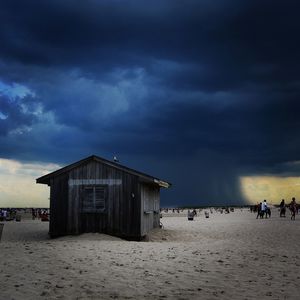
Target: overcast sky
{"points": [[199, 93]]}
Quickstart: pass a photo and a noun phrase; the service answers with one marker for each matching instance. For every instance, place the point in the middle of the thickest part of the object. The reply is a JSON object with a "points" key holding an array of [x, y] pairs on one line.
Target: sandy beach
{"points": [[227, 256]]}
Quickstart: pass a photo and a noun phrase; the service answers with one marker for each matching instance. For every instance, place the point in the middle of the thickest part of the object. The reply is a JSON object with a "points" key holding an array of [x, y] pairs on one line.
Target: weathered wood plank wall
{"points": [[121, 216], [59, 206], [131, 208], [150, 202]]}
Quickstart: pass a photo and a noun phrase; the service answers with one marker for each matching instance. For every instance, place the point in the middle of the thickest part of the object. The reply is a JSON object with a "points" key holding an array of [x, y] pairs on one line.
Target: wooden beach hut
{"points": [[98, 195]]}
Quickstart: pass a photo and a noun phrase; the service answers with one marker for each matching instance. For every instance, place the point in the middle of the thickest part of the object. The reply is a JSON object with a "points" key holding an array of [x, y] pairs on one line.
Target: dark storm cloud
{"points": [[225, 43], [14, 115], [208, 87]]}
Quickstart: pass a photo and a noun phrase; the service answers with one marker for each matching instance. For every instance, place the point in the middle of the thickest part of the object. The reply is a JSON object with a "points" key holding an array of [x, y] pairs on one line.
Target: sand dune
{"points": [[231, 256]]}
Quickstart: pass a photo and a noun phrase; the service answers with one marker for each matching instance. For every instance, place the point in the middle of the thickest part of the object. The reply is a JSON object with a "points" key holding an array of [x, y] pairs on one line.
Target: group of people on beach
{"points": [[42, 214], [7, 214], [293, 206], [263, 209], [10, 214]]}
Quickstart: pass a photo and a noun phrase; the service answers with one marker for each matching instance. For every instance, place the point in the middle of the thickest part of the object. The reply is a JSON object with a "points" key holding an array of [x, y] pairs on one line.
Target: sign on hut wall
{"points": [[73, 182]]}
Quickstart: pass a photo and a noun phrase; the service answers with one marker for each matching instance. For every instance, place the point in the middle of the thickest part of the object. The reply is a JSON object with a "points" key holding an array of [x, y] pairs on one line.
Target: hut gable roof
{"points": [[46, 178]]}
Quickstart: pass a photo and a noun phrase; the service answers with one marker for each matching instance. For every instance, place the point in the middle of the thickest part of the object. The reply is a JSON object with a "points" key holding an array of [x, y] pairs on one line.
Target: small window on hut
{"points": [[94, 198]]}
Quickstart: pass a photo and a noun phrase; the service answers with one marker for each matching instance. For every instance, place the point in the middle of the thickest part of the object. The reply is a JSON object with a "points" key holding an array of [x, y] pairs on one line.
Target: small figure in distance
{"points": [[282, 209], [258, 208], [293, 208], [33, 213], [264, 209], [190, 215]]}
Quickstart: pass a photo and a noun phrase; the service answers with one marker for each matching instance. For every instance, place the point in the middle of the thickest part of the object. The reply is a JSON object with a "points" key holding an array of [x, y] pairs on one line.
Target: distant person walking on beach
{"points": [[4, 213], [293, 208], [33, 213], [282, 208], [258, 208], [264, 208]]}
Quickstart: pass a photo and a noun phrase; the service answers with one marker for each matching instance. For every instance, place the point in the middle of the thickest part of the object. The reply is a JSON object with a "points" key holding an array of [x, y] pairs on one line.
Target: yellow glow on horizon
{"points": [[18, 187], [273, 189]]}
